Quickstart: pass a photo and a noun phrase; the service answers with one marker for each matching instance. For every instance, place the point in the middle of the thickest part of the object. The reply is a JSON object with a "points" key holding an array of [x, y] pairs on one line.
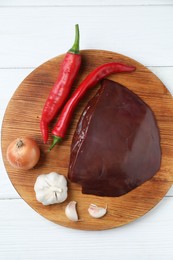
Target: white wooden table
{"points": [[34, 31]]}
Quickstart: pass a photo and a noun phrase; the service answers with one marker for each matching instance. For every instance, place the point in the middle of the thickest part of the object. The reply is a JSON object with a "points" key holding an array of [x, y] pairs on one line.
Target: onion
{"points": [[23, 153]]}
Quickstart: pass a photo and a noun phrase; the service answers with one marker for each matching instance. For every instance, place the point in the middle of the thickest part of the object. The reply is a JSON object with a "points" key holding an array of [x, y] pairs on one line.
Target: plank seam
{"points": [[11, 199], [28, 68], [78, 5], [16, 68], [166, 196]]}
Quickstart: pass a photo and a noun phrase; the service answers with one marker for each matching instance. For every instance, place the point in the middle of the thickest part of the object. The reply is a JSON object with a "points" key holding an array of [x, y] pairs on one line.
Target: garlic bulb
{"points": [[96, 212], [51, 188], [71, 212]]}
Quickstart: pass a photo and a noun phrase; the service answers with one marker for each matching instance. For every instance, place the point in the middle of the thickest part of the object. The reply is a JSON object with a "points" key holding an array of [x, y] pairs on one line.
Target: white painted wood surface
{"points": [[35, 31]]}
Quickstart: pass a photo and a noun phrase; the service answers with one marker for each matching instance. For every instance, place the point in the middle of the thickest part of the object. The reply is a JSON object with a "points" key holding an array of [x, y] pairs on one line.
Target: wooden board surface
{"points": [[22, 119]]}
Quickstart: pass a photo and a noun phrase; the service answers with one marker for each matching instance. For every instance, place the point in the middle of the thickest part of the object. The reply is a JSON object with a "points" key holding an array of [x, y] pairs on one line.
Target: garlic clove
{"points": [[96, 212], [71, 211]]}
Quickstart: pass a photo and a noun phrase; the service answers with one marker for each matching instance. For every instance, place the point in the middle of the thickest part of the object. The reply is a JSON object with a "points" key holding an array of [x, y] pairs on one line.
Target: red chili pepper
{"points": [[61, 89], [91, 80]]}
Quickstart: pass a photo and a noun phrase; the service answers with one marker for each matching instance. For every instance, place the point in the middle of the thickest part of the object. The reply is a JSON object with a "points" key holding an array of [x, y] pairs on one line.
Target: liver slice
{"points": [[116, 145]]}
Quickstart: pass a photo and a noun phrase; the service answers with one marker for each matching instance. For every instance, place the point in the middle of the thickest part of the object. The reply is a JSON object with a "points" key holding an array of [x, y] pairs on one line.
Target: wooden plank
{"points": [[164, 74], [30, 36], [26, 235], [45, 3]]}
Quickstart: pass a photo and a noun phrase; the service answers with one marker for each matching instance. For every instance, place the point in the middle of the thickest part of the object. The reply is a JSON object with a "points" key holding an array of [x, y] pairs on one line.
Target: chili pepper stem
{"points": [[56, 139], [75, 48]]}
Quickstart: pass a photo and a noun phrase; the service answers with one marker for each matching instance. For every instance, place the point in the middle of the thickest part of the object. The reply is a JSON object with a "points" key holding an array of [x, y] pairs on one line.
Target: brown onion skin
{"points": [[23, 153]]}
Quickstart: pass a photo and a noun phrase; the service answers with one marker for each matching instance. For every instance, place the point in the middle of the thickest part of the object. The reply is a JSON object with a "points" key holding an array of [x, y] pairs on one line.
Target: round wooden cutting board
{"points": [[22, 118]]}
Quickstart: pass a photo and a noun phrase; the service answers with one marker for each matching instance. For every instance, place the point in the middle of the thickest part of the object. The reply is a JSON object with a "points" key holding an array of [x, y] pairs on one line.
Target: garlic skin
{"points": [[96, 212], [71, 212], [51, 188]]}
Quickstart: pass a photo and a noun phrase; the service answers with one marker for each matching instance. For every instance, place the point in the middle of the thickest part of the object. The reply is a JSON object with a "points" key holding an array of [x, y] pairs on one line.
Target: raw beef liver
{"points": [[116, 145]]}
